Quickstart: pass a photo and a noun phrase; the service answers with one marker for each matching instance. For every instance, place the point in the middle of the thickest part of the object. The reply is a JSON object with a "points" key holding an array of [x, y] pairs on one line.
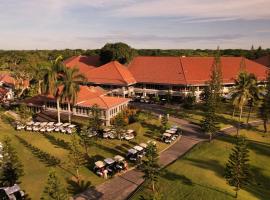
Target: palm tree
{"points": [[255, 92], [242, 93], [71, 79], [52, 82]]}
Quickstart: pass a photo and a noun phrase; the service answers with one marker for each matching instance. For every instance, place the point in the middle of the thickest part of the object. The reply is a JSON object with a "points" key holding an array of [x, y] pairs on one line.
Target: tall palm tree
{"points": [[255, 92], [71, 79], [52, 82], [242, 93]]}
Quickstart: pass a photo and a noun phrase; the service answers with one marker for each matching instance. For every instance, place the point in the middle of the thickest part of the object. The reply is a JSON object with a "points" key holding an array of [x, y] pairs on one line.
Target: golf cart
{"points": [[140, 151], [11, 193], [110, 165], [99, 168], [106, 133], [119, 163], [36, 126], [168, 138], [144, 146], [58, 126], [130, 134], [19, 126], [132, 155]]}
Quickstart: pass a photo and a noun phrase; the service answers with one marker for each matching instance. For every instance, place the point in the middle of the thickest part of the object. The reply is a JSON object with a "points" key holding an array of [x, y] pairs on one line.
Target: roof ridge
{"points": [[101, 97], [123, 77], [184, 73]]}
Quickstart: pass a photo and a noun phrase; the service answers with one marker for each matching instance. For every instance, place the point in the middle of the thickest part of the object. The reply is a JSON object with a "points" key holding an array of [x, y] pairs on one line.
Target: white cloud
{"points": [[243, 9]]}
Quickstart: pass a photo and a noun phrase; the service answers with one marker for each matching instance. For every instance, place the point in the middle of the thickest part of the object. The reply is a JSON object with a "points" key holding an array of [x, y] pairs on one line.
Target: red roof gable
{"points": [[104, 102], [84, 63], [189, 70], [111, 73]]}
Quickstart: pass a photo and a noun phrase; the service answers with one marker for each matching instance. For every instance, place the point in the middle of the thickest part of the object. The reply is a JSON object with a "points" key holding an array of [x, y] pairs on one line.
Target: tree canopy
{"points": [[119, 51]]}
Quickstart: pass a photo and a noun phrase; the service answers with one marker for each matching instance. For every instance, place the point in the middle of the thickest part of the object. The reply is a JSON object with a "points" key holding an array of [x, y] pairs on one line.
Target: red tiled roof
{"points": [[189, 70], [104, 102], [111, 73], [89, 92], [264, 60], [87, 97], [9, 80], [84, 63], [163, 70], [6, 78]]}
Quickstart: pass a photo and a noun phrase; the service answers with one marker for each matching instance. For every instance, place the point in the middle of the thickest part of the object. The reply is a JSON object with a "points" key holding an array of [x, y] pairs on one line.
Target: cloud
{"points": [[172, 39], [240, 9]]}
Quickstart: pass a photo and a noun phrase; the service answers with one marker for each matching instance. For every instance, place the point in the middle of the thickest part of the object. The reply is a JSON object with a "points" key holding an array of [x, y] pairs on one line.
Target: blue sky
{"points": [[88, 24]]}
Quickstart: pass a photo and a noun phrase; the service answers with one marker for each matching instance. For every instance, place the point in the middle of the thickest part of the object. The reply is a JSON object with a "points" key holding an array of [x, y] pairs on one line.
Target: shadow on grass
{"points": [[83, 189], [260, 184], [43, 157], [108, 149], [173, 177], [210, 164], [57, 142], [187, 181], [259, 147]]}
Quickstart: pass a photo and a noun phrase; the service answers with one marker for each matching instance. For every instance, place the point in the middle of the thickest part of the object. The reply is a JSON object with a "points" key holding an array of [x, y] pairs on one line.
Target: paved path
{"points": [[120, 187]]}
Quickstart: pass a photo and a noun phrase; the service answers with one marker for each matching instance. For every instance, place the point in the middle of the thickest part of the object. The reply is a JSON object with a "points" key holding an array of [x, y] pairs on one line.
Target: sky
{"points": [[166, 24]]}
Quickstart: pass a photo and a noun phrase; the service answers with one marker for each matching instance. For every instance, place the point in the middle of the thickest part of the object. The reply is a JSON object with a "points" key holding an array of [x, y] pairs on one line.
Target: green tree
{"points": [[120, 52], [264, 110], [52, 82], [212, 94], [237, 172], [255, 94], [76, 157], [216, 79], [10, 165], [95, 122], [119, 124], [85, 140], [209, 124], [164, 123], [150, 165], [54, 189], [242, 93], [71, 79]]}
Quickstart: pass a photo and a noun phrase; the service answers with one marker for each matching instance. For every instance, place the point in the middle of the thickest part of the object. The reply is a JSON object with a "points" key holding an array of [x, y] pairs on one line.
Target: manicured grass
{"points": [[200, 173], [224, 112], [36, 168]]}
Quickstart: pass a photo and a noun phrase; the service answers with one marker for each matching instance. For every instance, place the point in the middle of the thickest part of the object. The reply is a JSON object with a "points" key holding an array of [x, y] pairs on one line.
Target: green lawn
{"points": [[36, 167], [199, 174], [224, 112]]}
